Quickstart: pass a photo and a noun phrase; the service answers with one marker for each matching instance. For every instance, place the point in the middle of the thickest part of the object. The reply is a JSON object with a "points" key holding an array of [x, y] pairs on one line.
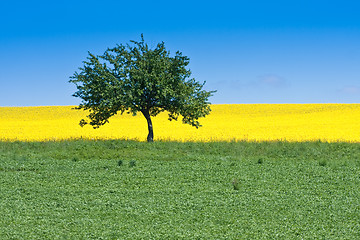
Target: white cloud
{"points": [[350, 90], [272, 80], [263, 81]]}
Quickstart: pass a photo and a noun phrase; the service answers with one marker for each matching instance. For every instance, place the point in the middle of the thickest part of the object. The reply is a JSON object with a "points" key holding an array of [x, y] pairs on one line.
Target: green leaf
{"points": [[133, 78]]}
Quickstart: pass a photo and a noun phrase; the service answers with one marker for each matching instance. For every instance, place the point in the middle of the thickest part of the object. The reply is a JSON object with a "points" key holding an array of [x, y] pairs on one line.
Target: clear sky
{"points": [[250, 51]]}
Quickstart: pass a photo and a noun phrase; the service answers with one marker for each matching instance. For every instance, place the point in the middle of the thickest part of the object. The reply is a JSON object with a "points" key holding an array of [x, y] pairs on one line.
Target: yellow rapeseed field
{"points": [[227, 122]]}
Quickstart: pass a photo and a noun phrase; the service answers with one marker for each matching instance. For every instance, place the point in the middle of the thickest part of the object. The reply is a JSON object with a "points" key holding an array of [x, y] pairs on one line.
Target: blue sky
{"points": [[249, 51]]}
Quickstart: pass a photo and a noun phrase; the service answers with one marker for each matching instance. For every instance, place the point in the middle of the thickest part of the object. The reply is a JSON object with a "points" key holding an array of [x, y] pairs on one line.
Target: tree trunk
{"points": [[150, 137]]}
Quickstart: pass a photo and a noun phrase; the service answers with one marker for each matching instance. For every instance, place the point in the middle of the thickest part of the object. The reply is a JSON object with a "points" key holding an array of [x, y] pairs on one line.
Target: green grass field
{"points": [[167, 190]]}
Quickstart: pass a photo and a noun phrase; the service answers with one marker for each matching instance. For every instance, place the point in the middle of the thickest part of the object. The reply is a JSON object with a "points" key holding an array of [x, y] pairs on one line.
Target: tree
{"points": [[135, 78]]}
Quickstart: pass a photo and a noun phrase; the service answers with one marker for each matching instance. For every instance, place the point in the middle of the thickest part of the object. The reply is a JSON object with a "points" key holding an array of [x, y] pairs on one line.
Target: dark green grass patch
{"points": [[167, 190]]}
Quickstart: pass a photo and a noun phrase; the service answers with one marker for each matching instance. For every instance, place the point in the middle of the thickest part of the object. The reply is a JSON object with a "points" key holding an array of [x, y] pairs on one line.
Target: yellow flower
{"points": [[226, 122]]}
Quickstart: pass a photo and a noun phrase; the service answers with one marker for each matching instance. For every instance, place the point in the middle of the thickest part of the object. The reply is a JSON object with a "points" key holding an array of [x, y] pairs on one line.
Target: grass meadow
{"points": [[118, 189]]}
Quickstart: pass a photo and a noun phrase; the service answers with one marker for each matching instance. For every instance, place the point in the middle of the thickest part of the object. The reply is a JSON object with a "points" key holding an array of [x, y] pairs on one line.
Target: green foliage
{"points": [[236, 184], [132, 163], [179, 190], [322, 162], [135, 78]]}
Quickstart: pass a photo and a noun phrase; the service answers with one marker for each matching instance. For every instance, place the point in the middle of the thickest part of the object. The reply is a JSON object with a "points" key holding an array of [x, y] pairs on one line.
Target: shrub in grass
{"points": [[322, 163], [132, 163], [236, 184]]}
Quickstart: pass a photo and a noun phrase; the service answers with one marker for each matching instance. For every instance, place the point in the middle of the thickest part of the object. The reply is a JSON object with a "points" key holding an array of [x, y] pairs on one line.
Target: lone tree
{"points": [[135, 78]]}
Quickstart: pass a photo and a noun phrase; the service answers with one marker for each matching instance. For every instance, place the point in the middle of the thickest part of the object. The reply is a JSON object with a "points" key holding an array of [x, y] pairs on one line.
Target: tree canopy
{"points": [[133, 78]]}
